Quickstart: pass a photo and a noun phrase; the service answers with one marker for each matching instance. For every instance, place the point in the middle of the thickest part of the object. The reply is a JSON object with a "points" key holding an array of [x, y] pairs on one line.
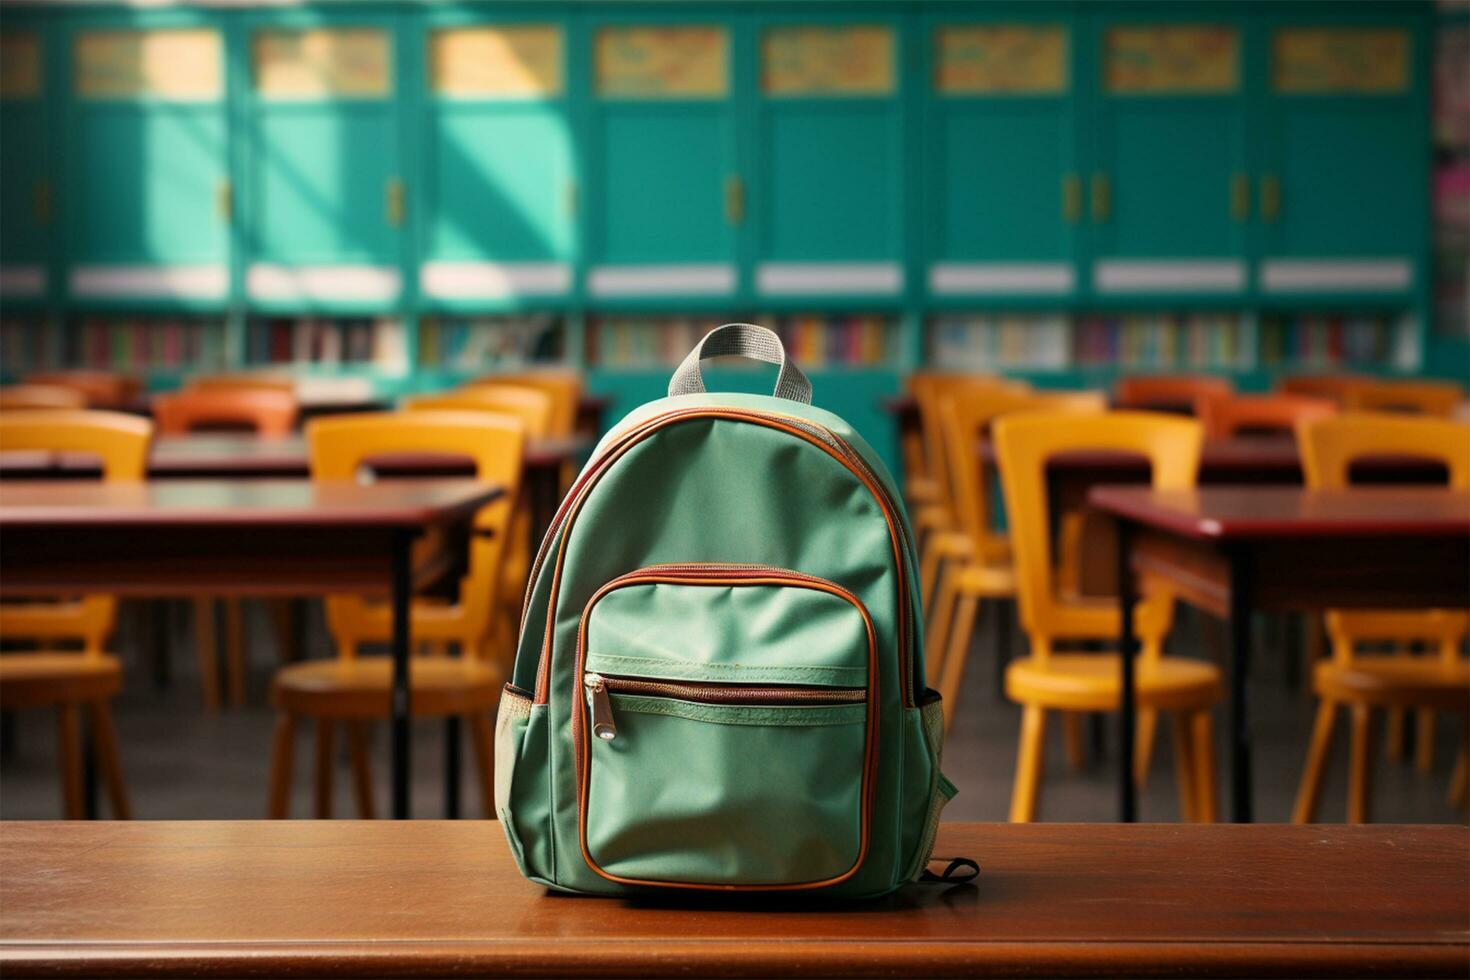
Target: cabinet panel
{"points": [[26, 193]]}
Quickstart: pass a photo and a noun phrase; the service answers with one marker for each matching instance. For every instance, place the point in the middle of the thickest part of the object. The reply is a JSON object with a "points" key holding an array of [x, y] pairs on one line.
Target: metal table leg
{"points": [[1240, 648], [1127, 696], [399, 702]]}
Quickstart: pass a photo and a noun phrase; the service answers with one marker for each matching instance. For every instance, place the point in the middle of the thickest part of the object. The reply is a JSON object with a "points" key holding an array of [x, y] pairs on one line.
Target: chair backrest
{"points": [[1414, 397], [564, 387], [532, 406], [101, 389], [966, 416], [1334, 387], [339, 445], [118, 440], [1175, 392], [243, 379], [1228, 415], [40, 396], [1330, 446], [1024, 443], [268, 411], [930, 391]]}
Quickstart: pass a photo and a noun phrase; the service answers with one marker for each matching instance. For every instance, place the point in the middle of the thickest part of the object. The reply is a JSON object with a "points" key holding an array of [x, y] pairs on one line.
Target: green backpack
{"points": [[719, 682]]}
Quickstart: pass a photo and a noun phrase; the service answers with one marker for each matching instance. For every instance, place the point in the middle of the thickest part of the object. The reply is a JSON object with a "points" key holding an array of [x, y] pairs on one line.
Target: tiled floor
{"points": [[183, 762]]}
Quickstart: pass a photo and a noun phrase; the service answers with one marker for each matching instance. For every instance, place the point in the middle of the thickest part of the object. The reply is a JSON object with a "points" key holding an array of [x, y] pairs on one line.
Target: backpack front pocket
{"points": [[726, 736]]}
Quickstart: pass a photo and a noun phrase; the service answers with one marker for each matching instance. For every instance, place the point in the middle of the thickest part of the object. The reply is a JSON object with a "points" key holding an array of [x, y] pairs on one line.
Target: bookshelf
{"points": [[328, 343], [25, 346], [471, 345], [817, 341]]}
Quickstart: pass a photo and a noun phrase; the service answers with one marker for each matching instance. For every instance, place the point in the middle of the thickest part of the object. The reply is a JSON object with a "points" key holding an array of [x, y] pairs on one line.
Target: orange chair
{"points": [[1396, 681], [101, 389], [1335, 388], [1170, 392], [986, 571], [1415, 397], [260, 380], [563, 386], [271, 413], [73, 682], [1049, 680], [13, 397], [1229, 415], [355, 688]]}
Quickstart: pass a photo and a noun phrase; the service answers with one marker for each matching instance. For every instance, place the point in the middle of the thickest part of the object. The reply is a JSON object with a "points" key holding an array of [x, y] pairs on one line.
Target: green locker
{"points": [[148, 199], [828, 190], [1344, 130], [498, 178], [664, 184], [1002, 180], [326, 194], [1167, 189], [26, 190]]}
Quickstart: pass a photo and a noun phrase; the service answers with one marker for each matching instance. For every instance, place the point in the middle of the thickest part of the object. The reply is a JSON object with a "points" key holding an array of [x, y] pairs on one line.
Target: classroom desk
{"points": [[243, 455], [251, 538], [1234, 550], [350, 898]]}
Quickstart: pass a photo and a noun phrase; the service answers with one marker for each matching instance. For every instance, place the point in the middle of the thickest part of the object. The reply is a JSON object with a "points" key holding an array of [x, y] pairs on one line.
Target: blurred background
{"points": [[388, 198]]}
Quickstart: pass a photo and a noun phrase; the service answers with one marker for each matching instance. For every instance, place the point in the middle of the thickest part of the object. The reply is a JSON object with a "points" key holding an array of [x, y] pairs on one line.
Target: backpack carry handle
{"points": [[742, 340]]}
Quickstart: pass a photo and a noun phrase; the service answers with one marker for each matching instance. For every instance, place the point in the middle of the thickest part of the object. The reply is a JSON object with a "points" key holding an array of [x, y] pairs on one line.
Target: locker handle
{"points": [[1072, 198], [1270, 197], [42, 202], [393, 203], [224, 200], [1102, 198], [734, 199], [1240, 197]]}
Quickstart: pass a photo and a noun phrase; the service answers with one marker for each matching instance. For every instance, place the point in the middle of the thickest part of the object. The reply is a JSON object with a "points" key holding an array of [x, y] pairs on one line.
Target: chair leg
{"points": [[1184, 766], [204, 645], [482, 739], [957, 654], [941, 611], [929, 571], [1029, 764], [1360, 772], [70, 755], [1143, 744], [235, 650], [362, 769], [1393, 734], [279, 805], [1424, 739], [1075, 739], [1202, 740], [104, 739], [1309, 794], [322, 804]]}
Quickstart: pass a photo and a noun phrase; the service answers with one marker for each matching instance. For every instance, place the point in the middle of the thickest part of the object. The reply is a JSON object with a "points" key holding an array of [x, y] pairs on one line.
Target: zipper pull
{"points": [[600, 704]]}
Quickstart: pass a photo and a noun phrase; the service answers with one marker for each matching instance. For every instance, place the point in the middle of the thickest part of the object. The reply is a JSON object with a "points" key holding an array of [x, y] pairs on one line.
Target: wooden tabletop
{"points": [[247, 455], [1280, 512], [430, 898]]}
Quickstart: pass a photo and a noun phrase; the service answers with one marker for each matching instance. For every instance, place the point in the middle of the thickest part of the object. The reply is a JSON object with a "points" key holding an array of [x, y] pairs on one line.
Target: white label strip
{"points": [[1336, 275], [150, 281], [1169, 276], [824, 278], [714, 279], [494, 280], [981, 278], [350, 283], [22, 280]]}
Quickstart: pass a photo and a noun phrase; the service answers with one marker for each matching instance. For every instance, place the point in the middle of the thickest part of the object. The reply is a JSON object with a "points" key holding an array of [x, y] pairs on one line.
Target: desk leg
{"points": [[89, 767], [399, 702], [1127, 699], [1240, 650], [451, 767]]}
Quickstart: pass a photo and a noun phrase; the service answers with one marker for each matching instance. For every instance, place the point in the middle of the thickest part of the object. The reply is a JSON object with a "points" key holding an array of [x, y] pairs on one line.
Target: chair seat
{"points": [[1089, 682], [1396, 681], [360, 687], [29, 680], [987, 580]]}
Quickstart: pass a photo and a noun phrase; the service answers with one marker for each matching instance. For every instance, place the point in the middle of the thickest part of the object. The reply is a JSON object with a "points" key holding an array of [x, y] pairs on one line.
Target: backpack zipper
{"points": [[605, 727]]}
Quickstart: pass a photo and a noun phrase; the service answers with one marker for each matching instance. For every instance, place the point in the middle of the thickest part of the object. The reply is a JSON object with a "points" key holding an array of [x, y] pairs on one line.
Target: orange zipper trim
{"points": [[734, 575], [731, 694], [836, 448]]}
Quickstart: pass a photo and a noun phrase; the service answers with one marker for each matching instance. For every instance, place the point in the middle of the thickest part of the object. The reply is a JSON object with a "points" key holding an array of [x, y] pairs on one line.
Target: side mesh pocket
{"points": [[932, 714], [510, 729]]}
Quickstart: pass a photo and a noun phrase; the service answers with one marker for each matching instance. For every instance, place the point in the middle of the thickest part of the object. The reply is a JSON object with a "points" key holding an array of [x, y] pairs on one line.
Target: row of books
{"points": [[473, 343], [813, 341], [145, 343], [328, 341], [23, 346], [1338, 340], [1051, 341]]}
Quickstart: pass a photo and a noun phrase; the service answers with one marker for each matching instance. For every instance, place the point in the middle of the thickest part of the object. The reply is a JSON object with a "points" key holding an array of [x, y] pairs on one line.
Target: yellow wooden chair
{"points": [[984, 571], [354, 688], [1396, 681], [562, 386], [73, 682], [1414, 397], [1048, 680]]}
